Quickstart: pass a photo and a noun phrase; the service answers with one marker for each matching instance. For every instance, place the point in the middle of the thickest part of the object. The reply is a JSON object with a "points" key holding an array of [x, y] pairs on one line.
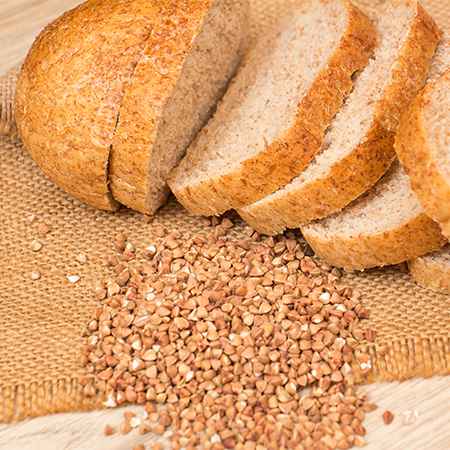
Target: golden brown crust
{"points": [[284, 159], [139, 120], [70, 89], [414, 151], [431, 273], [363, 167], [417, 237]]}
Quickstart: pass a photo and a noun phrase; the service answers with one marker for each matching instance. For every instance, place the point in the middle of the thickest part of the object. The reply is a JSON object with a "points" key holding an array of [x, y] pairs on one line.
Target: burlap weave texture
{"points": [[41, 322]]}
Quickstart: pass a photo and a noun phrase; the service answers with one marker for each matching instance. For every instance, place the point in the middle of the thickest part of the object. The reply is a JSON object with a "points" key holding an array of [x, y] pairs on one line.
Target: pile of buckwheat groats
{"points": [[221, 337]]}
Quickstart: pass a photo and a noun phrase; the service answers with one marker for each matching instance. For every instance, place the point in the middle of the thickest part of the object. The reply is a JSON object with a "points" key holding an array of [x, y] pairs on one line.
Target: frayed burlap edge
{"points": [[39, 399], [403, 359], [7, 92], [409, 358]]}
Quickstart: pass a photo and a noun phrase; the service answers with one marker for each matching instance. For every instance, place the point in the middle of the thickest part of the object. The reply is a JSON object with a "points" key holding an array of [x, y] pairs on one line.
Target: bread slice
{"points": [[76, 78], [423, 144], [358, 147], [385, 226], [273, 118], [433, 271], [176, 85]]}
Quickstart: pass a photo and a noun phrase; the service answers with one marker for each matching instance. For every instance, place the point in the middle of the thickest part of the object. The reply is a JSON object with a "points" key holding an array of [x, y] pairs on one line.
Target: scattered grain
{"points": [[36, 246], [388, 417], [43, 229], [73, 279], [81, 258], [35, 275], [109, 430], [224, 334]]}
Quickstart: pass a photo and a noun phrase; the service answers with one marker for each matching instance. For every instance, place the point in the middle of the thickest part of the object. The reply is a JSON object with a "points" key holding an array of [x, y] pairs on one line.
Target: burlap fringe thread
{"points": [[40, 399]]}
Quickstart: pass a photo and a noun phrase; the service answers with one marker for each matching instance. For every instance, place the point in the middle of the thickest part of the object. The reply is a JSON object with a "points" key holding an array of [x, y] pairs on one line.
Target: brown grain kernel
{"points": [[109, 430], [43, 229], [388, 417], [139, 447], [125, 428], [120, 242], [158, 429]]}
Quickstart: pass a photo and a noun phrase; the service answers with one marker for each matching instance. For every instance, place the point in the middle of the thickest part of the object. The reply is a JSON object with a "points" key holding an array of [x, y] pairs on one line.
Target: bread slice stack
{"points": [[272, 120], [358, 147], [112, 93], [433, 271], [389, 224]]}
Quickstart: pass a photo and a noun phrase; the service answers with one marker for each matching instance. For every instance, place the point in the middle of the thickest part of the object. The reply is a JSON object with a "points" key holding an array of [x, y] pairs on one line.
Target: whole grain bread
{"points": [[192, 53], [92, 74], [358, 147], [433, 271], [70, 88], [273, 118], [385, 226], [423, 143]]}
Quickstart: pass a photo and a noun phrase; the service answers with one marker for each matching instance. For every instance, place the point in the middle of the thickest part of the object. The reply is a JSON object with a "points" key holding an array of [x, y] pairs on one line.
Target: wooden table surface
{"points": [[20, 20]]}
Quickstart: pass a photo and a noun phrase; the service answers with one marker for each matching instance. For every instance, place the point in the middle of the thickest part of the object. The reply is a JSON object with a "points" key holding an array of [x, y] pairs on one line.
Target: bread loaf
{"points": [[273, 118], [433, 271], [358, 147], [423, 143], [107, 75]]}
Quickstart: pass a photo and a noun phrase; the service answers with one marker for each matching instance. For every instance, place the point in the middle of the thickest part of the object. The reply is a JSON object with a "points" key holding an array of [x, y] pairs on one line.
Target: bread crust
{"points": [[367, 163], [416, 237], [139, 121], [282, 160], [70, 89], [415, 152], [431, 273]]}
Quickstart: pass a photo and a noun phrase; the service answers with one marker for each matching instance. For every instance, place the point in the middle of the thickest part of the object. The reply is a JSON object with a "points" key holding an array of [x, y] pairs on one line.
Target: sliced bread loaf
{"points": [[192, 53], [385, 226], [273, 118], [433, 271], [423, 145], [358, 147], [130, 60]]}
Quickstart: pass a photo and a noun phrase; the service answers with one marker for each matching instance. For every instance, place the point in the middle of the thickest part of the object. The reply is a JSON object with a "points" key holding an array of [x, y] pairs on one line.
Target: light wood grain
{"points": [[20, 21]]}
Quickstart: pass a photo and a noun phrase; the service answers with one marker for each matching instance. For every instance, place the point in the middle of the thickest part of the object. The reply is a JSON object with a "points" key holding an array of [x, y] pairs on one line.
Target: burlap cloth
{"points": [[41, 322]]}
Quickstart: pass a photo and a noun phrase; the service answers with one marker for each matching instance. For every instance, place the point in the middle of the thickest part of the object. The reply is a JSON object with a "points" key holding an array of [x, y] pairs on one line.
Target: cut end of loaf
{"points": [[194, 65], [385, 226]]}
